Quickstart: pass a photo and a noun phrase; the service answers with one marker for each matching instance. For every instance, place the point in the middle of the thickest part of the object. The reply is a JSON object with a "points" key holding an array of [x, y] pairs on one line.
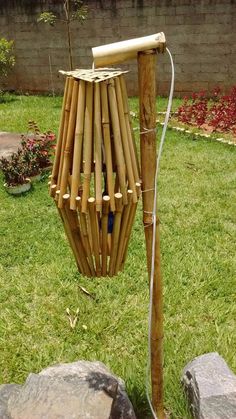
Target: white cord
{"points": [[154, 218]]}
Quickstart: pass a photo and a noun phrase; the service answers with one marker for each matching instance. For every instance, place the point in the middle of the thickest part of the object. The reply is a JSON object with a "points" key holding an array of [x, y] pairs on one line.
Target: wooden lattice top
{"points": [[94, 75]]}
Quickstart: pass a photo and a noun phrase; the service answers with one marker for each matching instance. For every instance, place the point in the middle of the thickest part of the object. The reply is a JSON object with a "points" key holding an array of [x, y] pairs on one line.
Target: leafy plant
{"points": [[33, 155], [7, 59], [219, 113], [73, 10], [38, 148], [14, 169]]}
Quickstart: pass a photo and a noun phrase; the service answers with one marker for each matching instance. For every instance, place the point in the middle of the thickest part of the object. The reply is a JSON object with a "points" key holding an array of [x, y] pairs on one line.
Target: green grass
{"points": [[38, 277]]}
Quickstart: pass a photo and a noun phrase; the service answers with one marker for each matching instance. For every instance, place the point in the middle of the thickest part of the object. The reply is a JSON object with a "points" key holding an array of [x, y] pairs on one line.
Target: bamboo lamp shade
{"points": [[95, 180]]}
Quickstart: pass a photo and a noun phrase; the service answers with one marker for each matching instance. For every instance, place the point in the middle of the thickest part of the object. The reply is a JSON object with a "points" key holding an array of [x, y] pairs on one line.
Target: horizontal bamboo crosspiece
{"points": [[95, 178]]}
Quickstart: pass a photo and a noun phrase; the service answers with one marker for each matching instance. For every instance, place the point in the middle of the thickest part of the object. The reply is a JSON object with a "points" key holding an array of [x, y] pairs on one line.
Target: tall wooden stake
{"points": [[147, 93]]}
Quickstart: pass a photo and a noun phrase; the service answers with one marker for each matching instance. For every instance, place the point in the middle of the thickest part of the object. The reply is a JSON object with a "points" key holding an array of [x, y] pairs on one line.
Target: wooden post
{"points": [[147, 93]]}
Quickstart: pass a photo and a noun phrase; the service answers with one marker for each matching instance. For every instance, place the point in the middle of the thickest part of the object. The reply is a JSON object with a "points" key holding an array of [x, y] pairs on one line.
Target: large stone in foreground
{"points": [[80, 390], [6, 391], [211, 387]]}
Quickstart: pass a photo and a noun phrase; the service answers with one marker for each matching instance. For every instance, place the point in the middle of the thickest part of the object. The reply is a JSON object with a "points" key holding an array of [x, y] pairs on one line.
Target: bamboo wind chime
{"points": [[95, 180]]}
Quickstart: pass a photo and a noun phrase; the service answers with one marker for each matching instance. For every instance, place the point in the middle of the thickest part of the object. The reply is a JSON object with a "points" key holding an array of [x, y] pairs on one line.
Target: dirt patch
{"points": [[9, 143]]}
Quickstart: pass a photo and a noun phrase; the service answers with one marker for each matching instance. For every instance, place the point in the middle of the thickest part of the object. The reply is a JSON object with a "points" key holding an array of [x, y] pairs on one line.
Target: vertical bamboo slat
{"points": [[75, 231], [68, 233], [124, 139], [98, 146], [115, 232], [104, 247], [117, 140], [88, 133], [78, 143], [65, 128], [95, 233], [84, 235], [131, 139], [69, 144], [87, 239], [124, 226], [56, 162], [130, 224], [107, 144]]}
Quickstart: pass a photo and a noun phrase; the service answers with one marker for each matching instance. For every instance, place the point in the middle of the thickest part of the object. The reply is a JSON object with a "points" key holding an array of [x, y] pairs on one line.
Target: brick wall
{"points": [[200, 34]]}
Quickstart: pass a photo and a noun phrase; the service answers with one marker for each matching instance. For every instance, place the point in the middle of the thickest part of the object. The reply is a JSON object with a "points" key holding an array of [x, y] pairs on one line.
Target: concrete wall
{"points": [[200, 34]]}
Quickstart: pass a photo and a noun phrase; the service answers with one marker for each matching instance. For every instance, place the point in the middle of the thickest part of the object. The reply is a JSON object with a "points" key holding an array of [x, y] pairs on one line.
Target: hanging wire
{"points": [[154, 219]]}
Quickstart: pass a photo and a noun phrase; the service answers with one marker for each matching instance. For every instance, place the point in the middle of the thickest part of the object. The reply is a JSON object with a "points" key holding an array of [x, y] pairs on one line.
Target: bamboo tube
{"points": [[115, 233], [124, 226], [130, 138], [98, 146], [147, 89], [129, 225], [65, 128], [69, 144], [107, 144], [117, 184], [78, 203], [87, 238], [53, 190], [75, 231], [124, 139], [77, 157], [88, 133], [95, 233], [56, 162], [68, 233], [84, 235], [109, 244], [105, 212], [118, 52], [117, 139]]}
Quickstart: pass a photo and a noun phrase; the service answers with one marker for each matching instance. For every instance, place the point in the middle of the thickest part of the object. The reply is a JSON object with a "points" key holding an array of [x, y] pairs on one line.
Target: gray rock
{"points": [[7, 390], [211, 387], [80, 390]]}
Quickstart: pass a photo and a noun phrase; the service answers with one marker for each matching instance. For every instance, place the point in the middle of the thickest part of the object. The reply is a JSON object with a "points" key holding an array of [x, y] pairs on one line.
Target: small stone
{"points": [[211, 387]]}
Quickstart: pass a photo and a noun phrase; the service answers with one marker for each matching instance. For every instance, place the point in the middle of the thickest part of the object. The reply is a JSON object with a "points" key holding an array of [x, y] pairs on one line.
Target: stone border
{"points": [[195, 134]]}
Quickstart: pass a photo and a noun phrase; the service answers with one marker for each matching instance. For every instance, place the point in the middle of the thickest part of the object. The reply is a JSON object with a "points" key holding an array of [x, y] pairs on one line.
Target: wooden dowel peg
{"points": [[53, 190]]}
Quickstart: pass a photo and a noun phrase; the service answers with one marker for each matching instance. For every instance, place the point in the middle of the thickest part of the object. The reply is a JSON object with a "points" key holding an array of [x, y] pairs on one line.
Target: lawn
{"points": [[38, 277]]}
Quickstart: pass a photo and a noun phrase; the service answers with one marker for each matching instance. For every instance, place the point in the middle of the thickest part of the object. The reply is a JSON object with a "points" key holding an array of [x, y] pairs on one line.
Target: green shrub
{"points": [[7, 59]]}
